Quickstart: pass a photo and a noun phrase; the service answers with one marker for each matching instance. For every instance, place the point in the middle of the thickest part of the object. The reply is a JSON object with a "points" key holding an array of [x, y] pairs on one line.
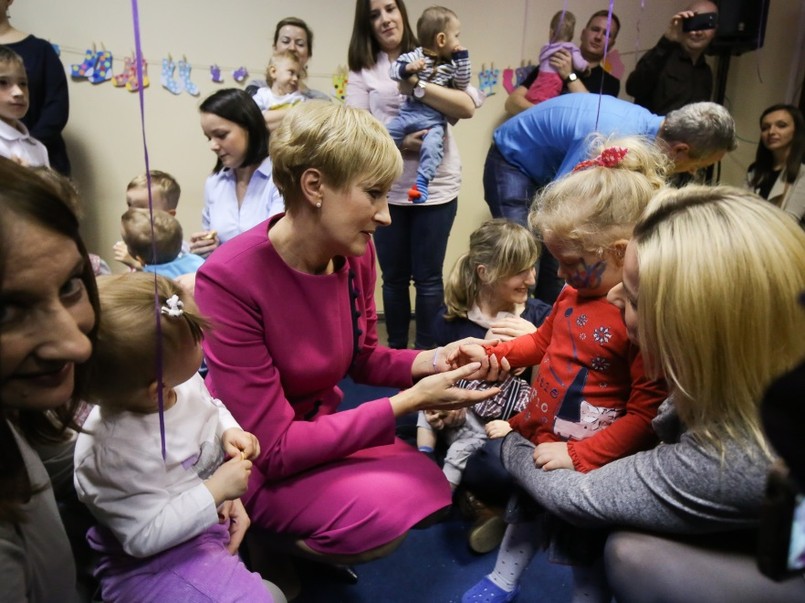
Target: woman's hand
{"points": [[552, 455], [497, 429], [233, 511], [203, 243], [412, 142], [510, 327], [439, 391]]}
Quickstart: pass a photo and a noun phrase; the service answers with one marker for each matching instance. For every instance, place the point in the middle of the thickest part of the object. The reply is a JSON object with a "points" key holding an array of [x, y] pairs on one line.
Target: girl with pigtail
{"points": [[166, 516], [591, 402]]}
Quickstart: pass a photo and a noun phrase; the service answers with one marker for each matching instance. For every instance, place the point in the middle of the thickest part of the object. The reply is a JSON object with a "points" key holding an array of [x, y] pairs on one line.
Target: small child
{"points": [[164, 525], [165, 193], [591, 401], [441, 60], [162, 252], [15, 141], [549, 83], [283, 76]]}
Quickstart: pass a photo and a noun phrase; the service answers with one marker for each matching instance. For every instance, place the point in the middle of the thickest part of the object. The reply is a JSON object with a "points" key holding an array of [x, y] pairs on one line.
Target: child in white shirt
{"points": [[15, 141], [282, 75], [151, 464]]}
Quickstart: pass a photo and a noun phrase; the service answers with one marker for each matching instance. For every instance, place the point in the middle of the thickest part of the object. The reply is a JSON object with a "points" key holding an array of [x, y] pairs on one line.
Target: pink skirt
{"points": [[354, 504]]}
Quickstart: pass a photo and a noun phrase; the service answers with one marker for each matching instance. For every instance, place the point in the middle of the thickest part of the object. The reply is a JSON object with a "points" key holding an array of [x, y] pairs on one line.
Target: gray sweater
{"points": [[681, 486]]}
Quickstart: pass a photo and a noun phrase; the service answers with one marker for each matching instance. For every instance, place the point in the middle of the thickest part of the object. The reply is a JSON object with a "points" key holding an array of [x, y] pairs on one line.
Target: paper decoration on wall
{"points": [[215, 74], [488, 79], [96, 66], [166, 78], [514, 77], [184, 77], [128, 77], [240, 74], [613, 64], [340, 82]]}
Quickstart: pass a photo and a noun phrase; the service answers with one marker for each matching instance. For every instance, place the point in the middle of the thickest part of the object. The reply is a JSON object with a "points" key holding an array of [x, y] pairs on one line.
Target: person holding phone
{"points": [[674, 72]]}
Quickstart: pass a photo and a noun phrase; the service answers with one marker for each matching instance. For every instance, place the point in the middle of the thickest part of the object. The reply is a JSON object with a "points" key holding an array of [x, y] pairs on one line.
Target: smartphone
{"points": [[700, 21]]}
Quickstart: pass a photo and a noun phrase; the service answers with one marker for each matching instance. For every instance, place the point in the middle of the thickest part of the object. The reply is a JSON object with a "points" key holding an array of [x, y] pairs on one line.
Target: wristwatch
{"points": [[419, 89], [571, 78]]}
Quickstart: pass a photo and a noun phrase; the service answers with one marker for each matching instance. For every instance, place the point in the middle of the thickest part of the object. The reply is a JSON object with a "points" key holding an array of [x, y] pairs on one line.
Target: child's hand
{"points": [[233, 513], [455, 417], [465, 354], [203, 243], [230, 480], [497, 428], [415, 66], [121, 251], [240, 444], [458, 48], [435, 418], [552, 455]]}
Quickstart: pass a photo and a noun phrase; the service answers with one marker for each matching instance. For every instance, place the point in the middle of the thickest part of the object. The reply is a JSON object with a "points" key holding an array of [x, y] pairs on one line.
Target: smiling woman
{"points": [[293, 304], [48, 305]]}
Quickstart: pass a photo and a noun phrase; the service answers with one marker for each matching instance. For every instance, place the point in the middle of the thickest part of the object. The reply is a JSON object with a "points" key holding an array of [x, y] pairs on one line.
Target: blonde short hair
{"points": [[563, 26], [161, 181], [283, 55], [165, 244], [503, 247], [342, 142], [592, 208], [720, 271], [124, 359]]}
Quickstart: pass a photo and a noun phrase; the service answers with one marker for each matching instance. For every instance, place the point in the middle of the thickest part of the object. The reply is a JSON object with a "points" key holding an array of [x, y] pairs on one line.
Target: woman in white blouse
{"points": [[240, 192]]}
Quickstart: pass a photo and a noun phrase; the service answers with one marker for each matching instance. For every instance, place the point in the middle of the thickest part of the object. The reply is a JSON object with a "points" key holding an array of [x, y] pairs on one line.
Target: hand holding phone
{"points": [[700, 22]]}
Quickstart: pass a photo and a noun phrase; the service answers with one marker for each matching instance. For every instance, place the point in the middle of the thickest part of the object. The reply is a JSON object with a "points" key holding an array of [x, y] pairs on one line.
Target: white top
{"points": [[16, 142], [267, 100], [790, 197], [374, 90], [221, 211], [149, 504]]}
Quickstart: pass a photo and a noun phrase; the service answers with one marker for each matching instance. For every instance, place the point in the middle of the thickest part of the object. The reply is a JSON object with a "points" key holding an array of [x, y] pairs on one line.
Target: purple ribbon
{"points": [[603, 60], [138, 58]]}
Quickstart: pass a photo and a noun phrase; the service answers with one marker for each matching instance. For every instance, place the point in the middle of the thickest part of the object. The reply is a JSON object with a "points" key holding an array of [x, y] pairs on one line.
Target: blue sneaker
{"points": [[487, 591]]}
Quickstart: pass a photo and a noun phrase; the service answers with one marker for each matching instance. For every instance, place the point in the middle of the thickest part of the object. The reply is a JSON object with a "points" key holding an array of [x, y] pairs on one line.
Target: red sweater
{"points": [[590, 389]]}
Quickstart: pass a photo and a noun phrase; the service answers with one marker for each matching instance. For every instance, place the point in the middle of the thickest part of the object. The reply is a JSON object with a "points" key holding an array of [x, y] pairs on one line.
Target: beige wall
{"points": [[104, 136]]}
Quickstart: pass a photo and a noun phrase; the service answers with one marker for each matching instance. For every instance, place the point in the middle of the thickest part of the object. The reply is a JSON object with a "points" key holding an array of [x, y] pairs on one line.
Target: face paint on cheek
{"points": [[588, 276]]}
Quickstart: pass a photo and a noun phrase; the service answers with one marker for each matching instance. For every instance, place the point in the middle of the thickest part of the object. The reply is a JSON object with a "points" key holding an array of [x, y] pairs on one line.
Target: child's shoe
{"points": [[487, 591], [419, 192]]}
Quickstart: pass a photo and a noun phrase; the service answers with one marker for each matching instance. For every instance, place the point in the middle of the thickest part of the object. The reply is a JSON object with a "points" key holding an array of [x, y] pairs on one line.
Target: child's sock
{"points": [[419, 192], [516, 551]]}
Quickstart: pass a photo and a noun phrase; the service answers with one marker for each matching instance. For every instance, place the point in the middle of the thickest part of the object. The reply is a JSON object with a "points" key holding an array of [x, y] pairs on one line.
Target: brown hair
{"points": [[431, 23], [164, 182], [158, 246], [124, 359], [363, 47], [563, 26]]}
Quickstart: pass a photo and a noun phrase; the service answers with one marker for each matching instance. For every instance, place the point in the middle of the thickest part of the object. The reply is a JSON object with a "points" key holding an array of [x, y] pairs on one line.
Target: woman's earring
{"points": [[318, 205]]}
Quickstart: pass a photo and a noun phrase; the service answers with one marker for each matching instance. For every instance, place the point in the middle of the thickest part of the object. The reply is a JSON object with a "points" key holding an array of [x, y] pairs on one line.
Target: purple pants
{"points": [[200, 570]]}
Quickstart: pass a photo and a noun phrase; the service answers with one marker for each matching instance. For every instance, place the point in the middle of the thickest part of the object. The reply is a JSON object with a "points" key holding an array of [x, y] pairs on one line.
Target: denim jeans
{"points": [[412, 248], [509, 194], [415, 116]]}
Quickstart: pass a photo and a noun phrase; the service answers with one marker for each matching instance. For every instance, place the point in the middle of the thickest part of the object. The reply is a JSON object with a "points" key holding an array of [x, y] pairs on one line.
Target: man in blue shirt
{"points": [[546, 142]]}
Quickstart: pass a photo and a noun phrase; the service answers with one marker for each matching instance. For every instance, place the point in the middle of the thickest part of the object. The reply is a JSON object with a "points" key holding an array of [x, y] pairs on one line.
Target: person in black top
{"points": [[674, 72], [595, 80]]}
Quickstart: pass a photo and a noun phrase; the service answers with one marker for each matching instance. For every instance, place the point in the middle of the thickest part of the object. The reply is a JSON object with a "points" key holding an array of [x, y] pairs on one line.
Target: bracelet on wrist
{"points": [[436, 357]]}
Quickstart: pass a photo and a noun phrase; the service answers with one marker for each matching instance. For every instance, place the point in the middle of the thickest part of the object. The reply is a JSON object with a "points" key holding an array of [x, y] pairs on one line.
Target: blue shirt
{"points": [[221, 211], [549, 139], [184, 264]]}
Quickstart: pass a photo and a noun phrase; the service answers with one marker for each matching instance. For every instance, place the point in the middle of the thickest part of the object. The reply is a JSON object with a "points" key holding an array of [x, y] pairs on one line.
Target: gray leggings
{"points": [[650, 569]]}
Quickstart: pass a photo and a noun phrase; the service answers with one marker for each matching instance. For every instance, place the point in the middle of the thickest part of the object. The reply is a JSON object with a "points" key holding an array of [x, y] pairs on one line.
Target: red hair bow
{"points": [[609, 157]]}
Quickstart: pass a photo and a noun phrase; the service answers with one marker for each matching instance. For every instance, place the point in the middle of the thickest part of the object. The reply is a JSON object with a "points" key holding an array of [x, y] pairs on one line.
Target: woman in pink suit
{"points": [[292, 301]]}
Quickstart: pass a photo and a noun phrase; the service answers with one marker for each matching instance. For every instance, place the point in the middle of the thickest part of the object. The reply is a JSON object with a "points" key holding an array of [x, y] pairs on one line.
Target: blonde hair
{"points": [[160, 248], [343, 142], [503, 247], [124, 359], [63, 185], [563, 26], [161, 181], [288, 55], [590, 209], [720, 271]]}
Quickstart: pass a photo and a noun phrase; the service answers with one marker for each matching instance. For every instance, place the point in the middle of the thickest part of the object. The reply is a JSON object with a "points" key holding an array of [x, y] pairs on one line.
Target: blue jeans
{"points": [[412, 248], [413, 117], [509, 194]]}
